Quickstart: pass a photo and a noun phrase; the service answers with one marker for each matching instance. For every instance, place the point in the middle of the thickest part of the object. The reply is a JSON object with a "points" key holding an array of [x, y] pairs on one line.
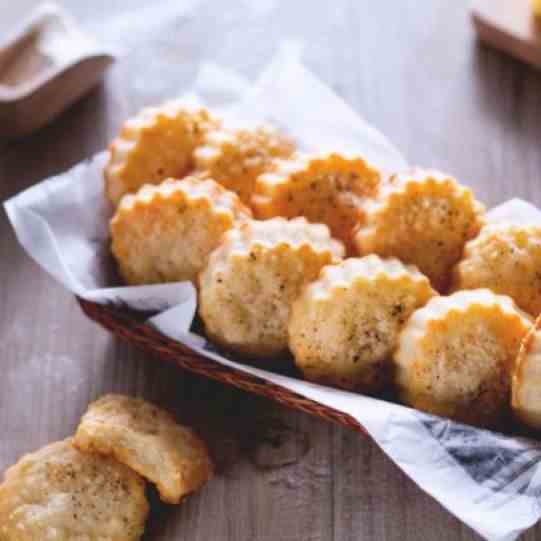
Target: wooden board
{"points": [[510, 26], [36, 86]]}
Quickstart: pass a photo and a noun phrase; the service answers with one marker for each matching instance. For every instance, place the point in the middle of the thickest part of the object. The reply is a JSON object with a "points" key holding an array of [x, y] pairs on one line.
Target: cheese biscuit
{"points": [[252, 278], [526, 383], [235, 158], [344, 326], [328, 189], [148, 440], [505, 258], [62, 494], [156, 144], [455, 356], [423, 218], [165, 233]]}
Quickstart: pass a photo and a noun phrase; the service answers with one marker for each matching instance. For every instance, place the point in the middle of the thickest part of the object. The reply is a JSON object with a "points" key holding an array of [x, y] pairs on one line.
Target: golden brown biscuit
{"points": [[505, 258], [148, 440], [252, 278], [344, 326], [62, 494], [155, 144], [235, 158], [165, 233], [328, 189], [423, 218], [456, 354], [526, 383]]}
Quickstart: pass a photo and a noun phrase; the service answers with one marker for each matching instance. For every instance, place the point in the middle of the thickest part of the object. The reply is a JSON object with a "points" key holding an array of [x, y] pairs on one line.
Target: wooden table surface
{"points": [[413, 69]]}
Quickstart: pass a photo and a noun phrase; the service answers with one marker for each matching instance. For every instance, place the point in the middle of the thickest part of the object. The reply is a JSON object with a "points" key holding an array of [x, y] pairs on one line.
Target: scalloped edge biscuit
{"points": [[455, 356], [235, 158], [60, 493], [344, 326], [526, 382], [328, 188], [148, 440], [165, 233], [505, 258], [252, 278], [430, 234], [155, 144]]}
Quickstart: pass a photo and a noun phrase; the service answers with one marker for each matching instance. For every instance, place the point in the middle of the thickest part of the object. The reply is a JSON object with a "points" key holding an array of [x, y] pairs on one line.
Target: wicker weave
{"points": [[124, 324]]}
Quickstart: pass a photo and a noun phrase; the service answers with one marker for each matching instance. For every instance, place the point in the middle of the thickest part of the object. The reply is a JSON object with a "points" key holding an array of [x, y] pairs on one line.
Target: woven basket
{"points": [[125, 324]]}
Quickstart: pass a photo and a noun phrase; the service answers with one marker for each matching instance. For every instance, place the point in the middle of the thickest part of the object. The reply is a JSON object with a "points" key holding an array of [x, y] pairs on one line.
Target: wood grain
{"points": [[417, 74]]}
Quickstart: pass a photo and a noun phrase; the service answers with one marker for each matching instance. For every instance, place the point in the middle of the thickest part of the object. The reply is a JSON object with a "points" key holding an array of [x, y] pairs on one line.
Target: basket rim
{"points": [[121, 321]]}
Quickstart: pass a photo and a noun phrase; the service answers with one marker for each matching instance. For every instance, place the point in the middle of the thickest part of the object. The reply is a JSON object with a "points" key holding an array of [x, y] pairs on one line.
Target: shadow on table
{"points": [[502, 85], [79, 132]]}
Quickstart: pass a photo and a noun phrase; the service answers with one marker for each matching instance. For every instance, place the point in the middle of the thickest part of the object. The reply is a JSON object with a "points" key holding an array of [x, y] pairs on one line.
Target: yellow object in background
{"points": [[537, 7]]}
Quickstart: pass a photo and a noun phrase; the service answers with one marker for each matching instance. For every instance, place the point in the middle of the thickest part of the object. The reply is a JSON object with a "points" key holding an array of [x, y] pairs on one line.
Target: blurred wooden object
{"points": [[510, 26], [45, 66]]}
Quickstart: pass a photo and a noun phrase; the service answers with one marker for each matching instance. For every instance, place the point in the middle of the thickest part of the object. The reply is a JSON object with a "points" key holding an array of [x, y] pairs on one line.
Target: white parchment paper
{"points": [[490, 481]]}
